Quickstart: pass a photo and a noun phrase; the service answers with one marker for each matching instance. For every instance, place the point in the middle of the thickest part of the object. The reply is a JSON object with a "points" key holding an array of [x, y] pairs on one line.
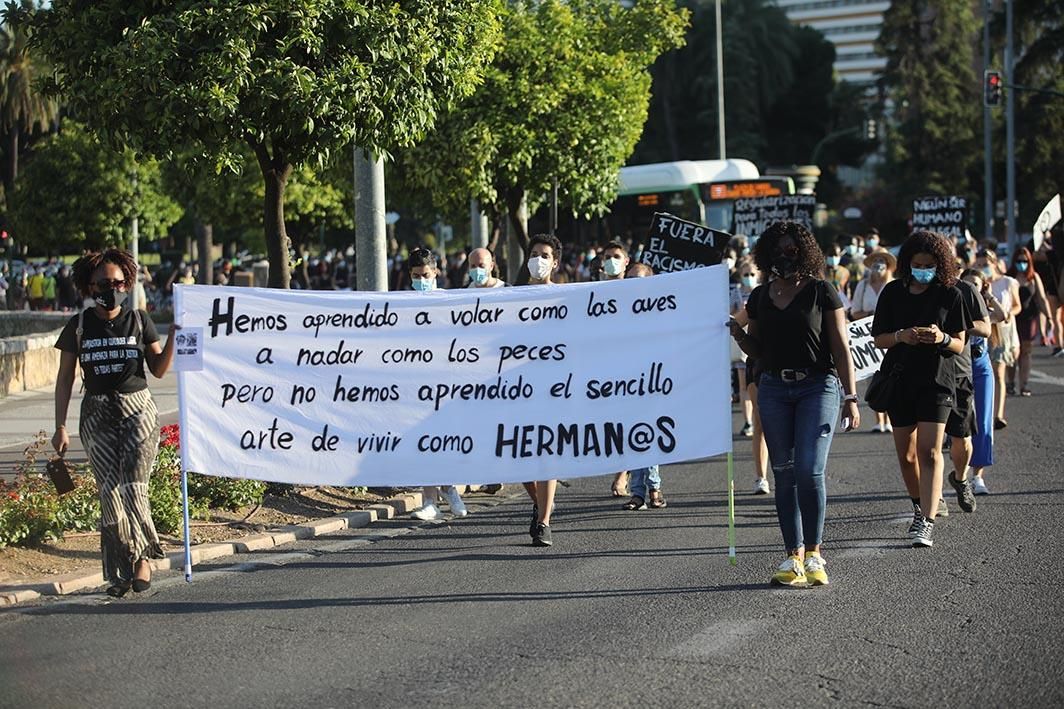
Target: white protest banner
{"points": [[465, 386], [1046, 220], [866, 356]]}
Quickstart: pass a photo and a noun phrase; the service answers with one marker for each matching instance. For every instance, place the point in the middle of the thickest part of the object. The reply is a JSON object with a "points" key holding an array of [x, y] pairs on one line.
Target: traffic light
{"points": [[992, 85], [870, 129]]}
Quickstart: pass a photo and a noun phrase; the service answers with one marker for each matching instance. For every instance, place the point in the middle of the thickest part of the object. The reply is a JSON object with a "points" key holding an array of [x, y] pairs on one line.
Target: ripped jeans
{"points": [[799, 420]]}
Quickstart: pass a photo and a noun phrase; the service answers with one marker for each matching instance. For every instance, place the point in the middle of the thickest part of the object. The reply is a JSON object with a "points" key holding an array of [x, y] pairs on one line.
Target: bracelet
{"points": [[850, 397], [946, 342], [896, 333], [62, 425]]}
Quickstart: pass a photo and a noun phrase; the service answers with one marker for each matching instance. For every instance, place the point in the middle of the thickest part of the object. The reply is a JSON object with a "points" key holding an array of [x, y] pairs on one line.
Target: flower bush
{"points": [[31, 512]]}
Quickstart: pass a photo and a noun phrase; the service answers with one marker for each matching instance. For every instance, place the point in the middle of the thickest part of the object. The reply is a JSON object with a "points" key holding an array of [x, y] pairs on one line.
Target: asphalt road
{"points": [[627, 608]]}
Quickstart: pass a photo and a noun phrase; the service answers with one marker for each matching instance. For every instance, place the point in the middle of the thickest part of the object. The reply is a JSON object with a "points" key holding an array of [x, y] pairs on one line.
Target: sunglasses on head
{"points": [[105, 283]]}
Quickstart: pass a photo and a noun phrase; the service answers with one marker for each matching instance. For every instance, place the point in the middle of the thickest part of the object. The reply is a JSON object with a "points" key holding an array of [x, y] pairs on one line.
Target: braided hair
{"points": [[85, 266]]}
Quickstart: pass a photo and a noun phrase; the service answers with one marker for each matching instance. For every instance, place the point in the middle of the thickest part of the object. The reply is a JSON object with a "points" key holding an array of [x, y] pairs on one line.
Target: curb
{"points": [[66, 584]]}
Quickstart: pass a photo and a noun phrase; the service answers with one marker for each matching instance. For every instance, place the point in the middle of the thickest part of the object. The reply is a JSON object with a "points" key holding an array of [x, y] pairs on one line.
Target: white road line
{"points": [[1043, 378]]}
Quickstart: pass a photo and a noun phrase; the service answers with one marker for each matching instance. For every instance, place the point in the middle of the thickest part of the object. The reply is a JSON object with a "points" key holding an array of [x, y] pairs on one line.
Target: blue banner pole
{"points": [[188, 536], [731, 510]]}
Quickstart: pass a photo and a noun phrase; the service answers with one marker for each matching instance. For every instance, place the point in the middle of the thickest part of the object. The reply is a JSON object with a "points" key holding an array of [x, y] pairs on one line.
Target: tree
{"points": [[293, 80], [111, 187], [932, 144], [23, 108], [565, 98]]}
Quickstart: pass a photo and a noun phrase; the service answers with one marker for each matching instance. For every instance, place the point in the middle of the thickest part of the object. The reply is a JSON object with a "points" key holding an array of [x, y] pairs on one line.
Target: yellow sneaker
{"points": [[814, 569], [790, 573]]}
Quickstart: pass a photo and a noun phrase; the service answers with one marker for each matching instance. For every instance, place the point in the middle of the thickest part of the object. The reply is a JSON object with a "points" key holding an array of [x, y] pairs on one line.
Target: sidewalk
{"points": [[22, 415]]}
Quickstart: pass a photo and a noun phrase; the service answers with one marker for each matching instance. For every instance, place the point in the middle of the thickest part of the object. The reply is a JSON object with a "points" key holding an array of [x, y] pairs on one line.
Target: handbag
{"points": [[883, 389], [59, 470]]}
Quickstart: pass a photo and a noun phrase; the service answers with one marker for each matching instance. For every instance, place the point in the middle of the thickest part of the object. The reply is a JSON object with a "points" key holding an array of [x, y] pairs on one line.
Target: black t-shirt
{"points": [[924, 365], [795, 337], [975, 306], [112, 352]]}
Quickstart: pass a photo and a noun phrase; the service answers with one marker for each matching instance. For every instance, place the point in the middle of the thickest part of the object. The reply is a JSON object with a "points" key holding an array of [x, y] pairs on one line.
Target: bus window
{"points": [[632, 214]]}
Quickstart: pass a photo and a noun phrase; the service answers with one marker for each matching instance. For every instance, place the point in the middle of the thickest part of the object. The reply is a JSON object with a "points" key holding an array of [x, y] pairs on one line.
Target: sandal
{"points": [[636, 503], [657, 500], [1025, 392]]}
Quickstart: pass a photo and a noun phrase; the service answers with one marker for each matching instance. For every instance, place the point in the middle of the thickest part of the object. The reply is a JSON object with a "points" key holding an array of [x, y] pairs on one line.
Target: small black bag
{"points": [[885, 388]]}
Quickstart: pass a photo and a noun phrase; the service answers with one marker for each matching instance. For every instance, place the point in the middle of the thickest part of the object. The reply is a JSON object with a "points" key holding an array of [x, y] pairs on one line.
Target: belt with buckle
{"points": [[794, 375]]}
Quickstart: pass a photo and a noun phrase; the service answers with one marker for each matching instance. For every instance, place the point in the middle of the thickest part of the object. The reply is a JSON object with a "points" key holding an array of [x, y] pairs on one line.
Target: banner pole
{"points": [[731, 509], [188, 536]]}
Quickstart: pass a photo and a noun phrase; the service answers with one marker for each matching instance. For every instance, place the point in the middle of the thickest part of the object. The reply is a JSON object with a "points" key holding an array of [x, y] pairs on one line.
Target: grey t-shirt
{"points": [[976, 307]]}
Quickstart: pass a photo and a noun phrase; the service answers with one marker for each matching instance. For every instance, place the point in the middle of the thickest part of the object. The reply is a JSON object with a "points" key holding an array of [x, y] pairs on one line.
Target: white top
{"points": [[865, 296], [1002, 290]]}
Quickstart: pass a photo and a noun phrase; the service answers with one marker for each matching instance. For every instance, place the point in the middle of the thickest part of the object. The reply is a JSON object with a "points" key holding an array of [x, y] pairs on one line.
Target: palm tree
{"points": [[23, 108]]}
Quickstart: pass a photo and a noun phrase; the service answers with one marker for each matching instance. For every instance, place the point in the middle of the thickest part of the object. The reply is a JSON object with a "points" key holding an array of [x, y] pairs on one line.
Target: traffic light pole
{"points": [[988, 159], [1010, 134]]}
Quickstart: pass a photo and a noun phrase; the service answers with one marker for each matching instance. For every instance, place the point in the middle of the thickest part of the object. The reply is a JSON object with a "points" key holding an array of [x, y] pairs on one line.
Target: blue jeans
{"points": [[983, 437], [640, 478], [798, 419]]}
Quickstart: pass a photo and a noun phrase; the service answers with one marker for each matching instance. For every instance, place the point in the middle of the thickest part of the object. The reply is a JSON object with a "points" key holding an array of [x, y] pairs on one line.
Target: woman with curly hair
{"points": [[797, 331], [119, 421], [921, 321]]}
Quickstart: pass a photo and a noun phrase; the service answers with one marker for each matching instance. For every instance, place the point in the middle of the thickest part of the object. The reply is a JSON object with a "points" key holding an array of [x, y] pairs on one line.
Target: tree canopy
{"points": [[294, 80]]}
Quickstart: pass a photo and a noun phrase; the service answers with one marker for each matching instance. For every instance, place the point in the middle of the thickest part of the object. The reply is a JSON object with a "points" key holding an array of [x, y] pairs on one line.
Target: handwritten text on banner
{"points": [[470, 386]]}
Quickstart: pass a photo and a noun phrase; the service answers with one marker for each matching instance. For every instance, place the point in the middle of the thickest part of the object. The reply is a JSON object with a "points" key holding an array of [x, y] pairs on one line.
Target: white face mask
{"points": [[613, 266], [730, 263], [539, 267]]}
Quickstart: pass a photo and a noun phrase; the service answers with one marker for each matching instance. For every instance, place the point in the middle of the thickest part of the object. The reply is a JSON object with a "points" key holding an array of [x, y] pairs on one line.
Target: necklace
{"points": [[780, 283]]}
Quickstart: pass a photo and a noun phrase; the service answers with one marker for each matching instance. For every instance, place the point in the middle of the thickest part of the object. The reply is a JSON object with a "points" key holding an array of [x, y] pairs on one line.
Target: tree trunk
{"points": [[275, 173], [515, 201], [205, 246], [11, 165]]}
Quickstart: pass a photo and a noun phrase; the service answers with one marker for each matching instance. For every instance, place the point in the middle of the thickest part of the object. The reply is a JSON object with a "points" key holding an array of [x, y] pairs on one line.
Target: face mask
{"points": [[872, 243], [961, 240], [833, 260], [730, 263], [539, 267], [784, 266], [746, 251], [851, 249], [749, 281], [612, 266], [423, 285], [878, 268], [988, 271], [1021, 266], [924, 275], [479, 276], [110, 299]]}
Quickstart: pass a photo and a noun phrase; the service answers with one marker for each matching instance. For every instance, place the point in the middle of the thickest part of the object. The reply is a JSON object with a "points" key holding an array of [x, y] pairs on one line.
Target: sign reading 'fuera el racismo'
{"points": [[674, 244]]}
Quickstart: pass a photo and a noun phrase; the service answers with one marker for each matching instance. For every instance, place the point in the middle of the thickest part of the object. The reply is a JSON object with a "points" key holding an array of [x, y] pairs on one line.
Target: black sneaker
{"points": [[963, 488], [923, 533], [541, 536], [918, 517], [535, 519]]}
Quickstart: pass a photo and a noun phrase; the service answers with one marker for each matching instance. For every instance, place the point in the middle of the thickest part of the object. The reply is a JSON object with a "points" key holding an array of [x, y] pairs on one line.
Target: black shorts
{"points": [[920, 405], [751, 371], [961, 422]]}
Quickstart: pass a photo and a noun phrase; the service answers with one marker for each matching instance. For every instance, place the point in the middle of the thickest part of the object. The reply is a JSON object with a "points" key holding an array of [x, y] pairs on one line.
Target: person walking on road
{"points": [[798, 333], [119, 422], [1033, 303], [1003, 350], [423, 274], [920, 320]]}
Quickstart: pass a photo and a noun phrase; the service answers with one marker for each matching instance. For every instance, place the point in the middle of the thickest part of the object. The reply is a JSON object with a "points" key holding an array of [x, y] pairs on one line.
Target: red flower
{"points": [[170, 436], [13, 495]]}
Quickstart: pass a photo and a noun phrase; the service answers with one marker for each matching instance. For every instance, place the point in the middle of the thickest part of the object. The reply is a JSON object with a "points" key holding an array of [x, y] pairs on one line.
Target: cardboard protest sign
{"points": [[675, 244], [1048, 219], [753, 215], [946, 215], [464, 386], [866, 356]]}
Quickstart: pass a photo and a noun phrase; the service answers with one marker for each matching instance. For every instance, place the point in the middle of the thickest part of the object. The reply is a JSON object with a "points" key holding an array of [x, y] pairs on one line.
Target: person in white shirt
{"points": [[879, 271]]}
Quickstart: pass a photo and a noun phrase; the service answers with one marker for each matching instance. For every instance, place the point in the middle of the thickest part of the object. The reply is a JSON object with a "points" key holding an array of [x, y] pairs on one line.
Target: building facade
{"points": [[852, 26]]}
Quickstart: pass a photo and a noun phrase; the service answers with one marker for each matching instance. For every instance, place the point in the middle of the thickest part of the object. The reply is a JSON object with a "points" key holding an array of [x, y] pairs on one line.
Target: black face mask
{"points": [[110, 299], [784, 266]]}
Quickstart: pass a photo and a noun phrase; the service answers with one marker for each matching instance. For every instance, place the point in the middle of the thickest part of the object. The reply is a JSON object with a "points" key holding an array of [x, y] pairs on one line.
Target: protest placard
{"points": [[753, 215], [470, 386], [946, 215], [1047, 219], [674, 244], [866, 356]]}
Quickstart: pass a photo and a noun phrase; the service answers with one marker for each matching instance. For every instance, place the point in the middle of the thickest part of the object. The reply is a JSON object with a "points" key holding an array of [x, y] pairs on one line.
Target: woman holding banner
{"points": [[921, 321], [119, 421], [879, 271], [798, 332]]}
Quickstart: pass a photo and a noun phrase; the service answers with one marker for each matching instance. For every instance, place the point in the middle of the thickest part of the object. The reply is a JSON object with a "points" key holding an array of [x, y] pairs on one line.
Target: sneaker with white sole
{"points": [[963, 488], [761, 487], [923, 533], [814, 569], [426, 512], [943, 510], [790, 573], [458, 508], [979, 486], [748, 430], [918, 517]]}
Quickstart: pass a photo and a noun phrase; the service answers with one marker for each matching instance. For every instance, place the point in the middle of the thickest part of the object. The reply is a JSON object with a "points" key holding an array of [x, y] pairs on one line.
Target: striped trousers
{"points": [[120, 433]]}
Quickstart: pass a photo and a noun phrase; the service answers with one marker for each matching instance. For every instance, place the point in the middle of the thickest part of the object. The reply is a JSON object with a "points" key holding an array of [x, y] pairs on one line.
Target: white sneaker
{"points": [[878, 428], [761, 488], [458, 508], [426, 512], [978, 486], [887, 428]]}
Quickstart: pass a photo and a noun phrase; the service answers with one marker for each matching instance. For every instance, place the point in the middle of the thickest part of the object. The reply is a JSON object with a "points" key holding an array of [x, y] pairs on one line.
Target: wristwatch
{"points": [[850, 397]]}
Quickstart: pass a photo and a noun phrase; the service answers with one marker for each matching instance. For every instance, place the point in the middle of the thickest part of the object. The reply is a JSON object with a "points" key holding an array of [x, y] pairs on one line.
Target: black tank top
{"points": [[1028, 308]]}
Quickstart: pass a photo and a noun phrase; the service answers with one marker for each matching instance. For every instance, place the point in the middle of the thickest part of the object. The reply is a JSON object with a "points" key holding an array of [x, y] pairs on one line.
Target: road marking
{"points": [[1043, 378]]}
